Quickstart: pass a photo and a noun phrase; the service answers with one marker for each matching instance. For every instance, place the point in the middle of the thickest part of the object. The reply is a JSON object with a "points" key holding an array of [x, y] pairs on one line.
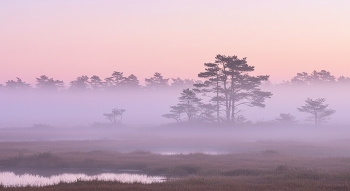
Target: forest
{"points": [[220, 94], [226, 129], [181, 95]]}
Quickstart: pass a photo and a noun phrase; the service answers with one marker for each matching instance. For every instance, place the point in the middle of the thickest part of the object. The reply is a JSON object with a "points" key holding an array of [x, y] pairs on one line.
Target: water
{"points": [[10, 179], [189, 153]]}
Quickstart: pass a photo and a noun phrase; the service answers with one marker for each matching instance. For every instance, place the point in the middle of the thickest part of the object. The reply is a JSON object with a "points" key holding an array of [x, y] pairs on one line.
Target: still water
{"points": [[11, 179]]}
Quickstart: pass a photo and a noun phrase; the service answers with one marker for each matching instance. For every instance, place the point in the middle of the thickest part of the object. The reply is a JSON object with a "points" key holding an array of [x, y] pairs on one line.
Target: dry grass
{"points": [[264, 170]]}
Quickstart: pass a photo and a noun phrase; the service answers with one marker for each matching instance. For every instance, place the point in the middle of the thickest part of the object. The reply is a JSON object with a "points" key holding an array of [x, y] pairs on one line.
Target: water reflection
{"points": [[10, 179], [189, 153]]}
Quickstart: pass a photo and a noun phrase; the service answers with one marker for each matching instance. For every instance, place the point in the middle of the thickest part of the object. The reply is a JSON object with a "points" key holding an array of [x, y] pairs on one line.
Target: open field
{"points": [[277, 166], [305, 140]]}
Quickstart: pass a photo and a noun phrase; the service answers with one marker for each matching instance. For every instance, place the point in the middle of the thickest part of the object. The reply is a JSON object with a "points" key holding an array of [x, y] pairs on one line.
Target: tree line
{"points": [[226, 86], [316, 78], [117, 81], [229, 85], [213, 73]]}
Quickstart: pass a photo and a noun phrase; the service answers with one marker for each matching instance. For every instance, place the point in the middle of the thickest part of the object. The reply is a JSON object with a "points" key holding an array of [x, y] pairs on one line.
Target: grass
{"points": [[39, 160], [267, 169]]}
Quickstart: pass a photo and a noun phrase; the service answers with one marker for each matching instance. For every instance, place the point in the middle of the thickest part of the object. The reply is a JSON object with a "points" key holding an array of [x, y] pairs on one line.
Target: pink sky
{"points": [[64, 39]]}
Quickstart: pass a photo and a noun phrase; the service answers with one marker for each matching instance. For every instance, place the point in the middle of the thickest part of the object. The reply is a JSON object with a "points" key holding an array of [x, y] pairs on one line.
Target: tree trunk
{"points": [[316, 118], [232, 101], [226, 103], [233, 114], [217, 99]]}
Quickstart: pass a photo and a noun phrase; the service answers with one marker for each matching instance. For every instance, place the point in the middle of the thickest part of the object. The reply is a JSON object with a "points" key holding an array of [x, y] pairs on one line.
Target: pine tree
{"points": [[181, 83], [80, 84], [213, 83], [157, 81], [318, 110], [286, 118], [175, 113], [95, 83], [112, 117], [114, 81], [188, 104], [17, 85], [49, 84], [315, 78], [232, 85], [130, 82]]}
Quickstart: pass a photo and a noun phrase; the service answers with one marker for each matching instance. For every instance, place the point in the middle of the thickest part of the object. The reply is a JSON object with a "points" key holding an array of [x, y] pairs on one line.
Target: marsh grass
{"points": [[38, 160], [268, 169]]}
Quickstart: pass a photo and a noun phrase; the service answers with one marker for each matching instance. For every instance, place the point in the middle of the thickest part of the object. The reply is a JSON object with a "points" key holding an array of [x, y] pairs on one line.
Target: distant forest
{"points": [[225, 86], [117, 81]]}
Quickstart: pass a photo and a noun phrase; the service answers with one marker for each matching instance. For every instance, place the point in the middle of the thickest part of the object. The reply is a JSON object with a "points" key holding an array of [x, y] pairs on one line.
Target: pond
{"points": [[19, 179], [191, 152]]}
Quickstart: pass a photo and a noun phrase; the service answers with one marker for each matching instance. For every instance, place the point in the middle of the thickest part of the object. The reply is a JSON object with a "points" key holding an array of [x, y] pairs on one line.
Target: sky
{"points": [[65, 39]]}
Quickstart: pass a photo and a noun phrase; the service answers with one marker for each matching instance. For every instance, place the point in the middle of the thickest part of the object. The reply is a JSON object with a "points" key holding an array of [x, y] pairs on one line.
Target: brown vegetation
{"points": [[264, 170]]}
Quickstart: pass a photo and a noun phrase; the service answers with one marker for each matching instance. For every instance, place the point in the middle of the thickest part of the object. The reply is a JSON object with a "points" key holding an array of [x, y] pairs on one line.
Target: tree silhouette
{"points": [[108, 83], [233, 86], [115, 81], [188, 104], [49, 84], [241, 119], [213, 84], [112, 117], [181, 83], [343, 80], [80, 84], [95, 83], [18, 85], [117, 78], [318, 110], [286, 118], [157, 81], [322, 77], [301, 79], [130, 82], [206, 113], [175, 113]]}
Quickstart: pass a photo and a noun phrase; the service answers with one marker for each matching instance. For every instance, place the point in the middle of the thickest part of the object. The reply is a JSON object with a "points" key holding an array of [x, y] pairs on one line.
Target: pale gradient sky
{"points": [[68, 38]]}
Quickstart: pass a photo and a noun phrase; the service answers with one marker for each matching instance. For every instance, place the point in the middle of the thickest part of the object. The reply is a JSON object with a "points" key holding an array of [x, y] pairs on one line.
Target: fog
{"points": [[37, 115], [144, 108], [74, 109], [141, 95], [286, 99], [47, 138]]}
